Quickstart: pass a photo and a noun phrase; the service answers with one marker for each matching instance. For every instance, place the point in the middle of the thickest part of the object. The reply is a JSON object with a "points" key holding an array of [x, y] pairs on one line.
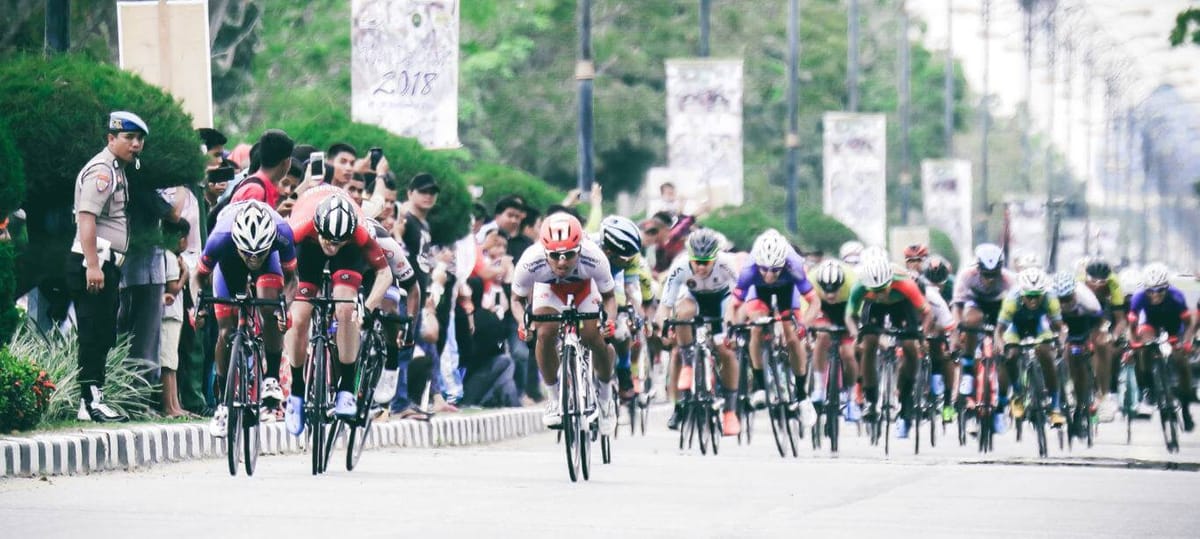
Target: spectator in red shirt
{"points": [[274, 160], [666, 237]]}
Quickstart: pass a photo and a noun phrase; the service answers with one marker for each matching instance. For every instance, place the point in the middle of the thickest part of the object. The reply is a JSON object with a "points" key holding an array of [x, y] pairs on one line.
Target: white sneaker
{"points": [[386, 388], [966, 384], [99, 411], [608, 418], [1144, 409], [217, 425], [1107, 411], [83, 414], [808, 413], [758, 399], [552, 418], [271, 390]]}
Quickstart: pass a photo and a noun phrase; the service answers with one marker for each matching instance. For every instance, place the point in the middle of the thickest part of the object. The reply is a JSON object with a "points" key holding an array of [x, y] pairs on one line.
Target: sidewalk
{"points": [[84, 451]]}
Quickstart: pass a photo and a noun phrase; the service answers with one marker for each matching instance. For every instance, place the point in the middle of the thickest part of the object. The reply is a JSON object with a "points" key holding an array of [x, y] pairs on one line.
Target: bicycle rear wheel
{"points": [[234, 397], [700, 421], [317, 402], [370, 369], [919, 399], [1037, 419]]}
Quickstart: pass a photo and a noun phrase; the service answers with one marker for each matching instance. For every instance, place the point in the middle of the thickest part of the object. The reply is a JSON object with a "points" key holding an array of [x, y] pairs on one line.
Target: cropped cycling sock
{"points": [[219, 388], [871, 394], [624, 377], [967, 362], [625, 361], [687, 356], [298, 381], [906, 398], [392, 361], [346, 380], [730, 400], [274, 358], [603, 392], [760, 379], [801, 387]]}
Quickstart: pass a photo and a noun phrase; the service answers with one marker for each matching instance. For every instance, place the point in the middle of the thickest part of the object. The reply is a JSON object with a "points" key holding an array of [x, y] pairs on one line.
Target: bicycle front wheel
{"points": [[251, 421], [573, 436], [234, 397]]}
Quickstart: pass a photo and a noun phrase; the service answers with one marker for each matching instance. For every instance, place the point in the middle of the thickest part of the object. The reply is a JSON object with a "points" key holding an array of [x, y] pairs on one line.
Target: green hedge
{"points": [[742, 224], [12, 190], [499, 181], [449, 219], [818, 230], [940, 243], [61, 104], [25, 391]]}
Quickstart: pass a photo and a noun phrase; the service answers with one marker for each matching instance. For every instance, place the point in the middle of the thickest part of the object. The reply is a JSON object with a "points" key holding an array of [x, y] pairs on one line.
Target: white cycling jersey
{"points": [[681, 277], [533, 268]]}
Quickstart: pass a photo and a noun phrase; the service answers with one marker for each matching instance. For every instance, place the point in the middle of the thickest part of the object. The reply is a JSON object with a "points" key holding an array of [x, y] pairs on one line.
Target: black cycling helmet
{"points": [[937, 270], [1098, 269]]}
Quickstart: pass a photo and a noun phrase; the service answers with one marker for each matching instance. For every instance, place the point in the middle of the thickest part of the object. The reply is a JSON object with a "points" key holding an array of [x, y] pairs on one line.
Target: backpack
{"points": [[227, 196]]}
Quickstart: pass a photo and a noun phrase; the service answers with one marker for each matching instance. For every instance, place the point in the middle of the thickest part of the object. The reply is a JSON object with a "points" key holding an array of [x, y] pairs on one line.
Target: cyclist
{"points": [[249, 240], [915, 256], [776, 272], [883, 294], [1082, 317], [1162, 307], [916, 260], [835, 279], [851, 252], [329, 231], [1106, 285], [979, 290], [1027, 312], [621, 241], [564, 263], [940, 274], [405, 287], [700, 285]]}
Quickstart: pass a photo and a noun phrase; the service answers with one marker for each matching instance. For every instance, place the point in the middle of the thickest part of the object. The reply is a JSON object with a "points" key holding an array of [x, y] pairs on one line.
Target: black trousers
{"points": [[95, 320]]}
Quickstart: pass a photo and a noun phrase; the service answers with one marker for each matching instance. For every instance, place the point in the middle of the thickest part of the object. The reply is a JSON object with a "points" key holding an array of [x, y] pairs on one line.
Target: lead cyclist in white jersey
{"points": [[563, 264]]}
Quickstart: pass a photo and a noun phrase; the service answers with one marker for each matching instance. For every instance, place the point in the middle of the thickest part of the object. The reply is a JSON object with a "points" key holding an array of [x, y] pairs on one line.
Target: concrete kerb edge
{"points": [[136, 447]]}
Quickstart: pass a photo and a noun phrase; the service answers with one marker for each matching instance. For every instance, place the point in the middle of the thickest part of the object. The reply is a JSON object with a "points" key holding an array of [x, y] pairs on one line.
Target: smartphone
{"points": [[316, 165], [220, 174], [376, 155]]}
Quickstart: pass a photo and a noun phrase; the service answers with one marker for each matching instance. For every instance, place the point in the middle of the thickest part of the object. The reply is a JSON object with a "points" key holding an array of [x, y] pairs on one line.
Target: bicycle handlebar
{"points": [[245, 300], [564, 317], [832, 330], [985, 329]]}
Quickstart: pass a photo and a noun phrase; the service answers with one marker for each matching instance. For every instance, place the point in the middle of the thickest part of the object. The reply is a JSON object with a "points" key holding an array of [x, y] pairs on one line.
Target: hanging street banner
{"points": [[704, 127], [946, 188], [1027, 225], [404, 68], [169, 48], [855, 163]]}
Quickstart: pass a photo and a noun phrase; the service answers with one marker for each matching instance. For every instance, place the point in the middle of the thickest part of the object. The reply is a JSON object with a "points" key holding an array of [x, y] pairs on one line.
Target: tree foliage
{"points": [[498, 181], [1187, 28], [65, 101]]}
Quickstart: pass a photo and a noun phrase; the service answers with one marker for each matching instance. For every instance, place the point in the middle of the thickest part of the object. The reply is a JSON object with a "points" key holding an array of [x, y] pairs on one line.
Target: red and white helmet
{"points": [[561, 232]]}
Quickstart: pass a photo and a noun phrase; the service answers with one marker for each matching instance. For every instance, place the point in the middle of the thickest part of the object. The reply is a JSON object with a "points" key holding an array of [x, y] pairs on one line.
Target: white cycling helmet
{"points": [[1156, 275], [621, 236], [830, 275], [1064, 284], [1130, 279], [851, 252], [770, 250], [1027, 260], [876, 272], [253, 229], [1033, 282], [874, 251], [989, 257]]}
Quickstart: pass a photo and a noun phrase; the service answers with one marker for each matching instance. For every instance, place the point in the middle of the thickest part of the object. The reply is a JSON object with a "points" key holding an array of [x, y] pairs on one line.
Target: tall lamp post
{"points": [[793, 137], [585, 71]]}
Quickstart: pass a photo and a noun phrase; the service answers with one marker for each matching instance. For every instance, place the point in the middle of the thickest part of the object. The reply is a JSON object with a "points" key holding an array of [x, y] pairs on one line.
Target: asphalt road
{"points": [[520, 489]]}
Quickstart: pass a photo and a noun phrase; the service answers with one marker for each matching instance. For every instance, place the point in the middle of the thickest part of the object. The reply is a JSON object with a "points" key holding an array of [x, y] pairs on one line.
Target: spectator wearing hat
{"points": [[97, 253], [414, 232]]}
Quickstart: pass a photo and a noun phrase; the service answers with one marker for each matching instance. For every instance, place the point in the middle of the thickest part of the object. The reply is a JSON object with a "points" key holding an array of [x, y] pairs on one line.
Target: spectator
{"points": [[287, 188], [509, 213], [177, 272], [355, 188], [274, 160], [488, 381], [94, 265], [526, 372], [665, 237], [667, 201], [341, 157], [214, 144], [479, 217], [412, 228]]}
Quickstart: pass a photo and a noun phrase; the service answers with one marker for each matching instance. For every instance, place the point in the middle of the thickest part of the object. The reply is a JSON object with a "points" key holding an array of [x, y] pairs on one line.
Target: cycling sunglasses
{"points": [[1158, 289], [770, 270], [568, 254], [652, 230], [700, 262]]}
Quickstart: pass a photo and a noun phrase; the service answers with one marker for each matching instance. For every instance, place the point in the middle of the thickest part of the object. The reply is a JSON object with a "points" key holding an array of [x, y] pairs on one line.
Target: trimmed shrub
{"points": [[940, 243], [12, 174], [25, 391], [449, 219], [499, 181], [742, 224], [818, 230], [62, 105]]}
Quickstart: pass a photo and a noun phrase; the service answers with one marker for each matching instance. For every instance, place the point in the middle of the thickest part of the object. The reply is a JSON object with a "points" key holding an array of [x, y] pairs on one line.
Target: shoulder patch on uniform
{"points": [[103, 181]]}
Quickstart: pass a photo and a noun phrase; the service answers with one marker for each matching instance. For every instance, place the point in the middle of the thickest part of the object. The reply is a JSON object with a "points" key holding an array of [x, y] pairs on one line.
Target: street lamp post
{"points": [[585, 71], [905, 176], [852, 56], [58, 25], [948, 83], [985, 119], [705, 10], [793, 137]]}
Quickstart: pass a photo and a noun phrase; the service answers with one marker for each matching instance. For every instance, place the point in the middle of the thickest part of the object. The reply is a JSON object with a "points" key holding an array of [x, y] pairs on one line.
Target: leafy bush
{"points": [[742, 224], [12, 189], [448, 221], [125, 388], [818, 230], [499, 181], [940, 243], [61, 104], [25, 391]]}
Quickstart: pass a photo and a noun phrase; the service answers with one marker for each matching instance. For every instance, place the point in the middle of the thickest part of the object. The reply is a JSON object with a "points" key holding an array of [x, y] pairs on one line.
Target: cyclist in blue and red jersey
{"points": [[1162, 307], [250, 241]]}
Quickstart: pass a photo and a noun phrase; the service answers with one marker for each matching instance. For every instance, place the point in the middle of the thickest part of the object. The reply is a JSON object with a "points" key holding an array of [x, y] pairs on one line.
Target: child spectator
{"points": [[172, 321]]}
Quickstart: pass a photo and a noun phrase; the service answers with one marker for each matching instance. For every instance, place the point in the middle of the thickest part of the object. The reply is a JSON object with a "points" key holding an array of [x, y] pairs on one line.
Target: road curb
{"points": [[95, 450]]}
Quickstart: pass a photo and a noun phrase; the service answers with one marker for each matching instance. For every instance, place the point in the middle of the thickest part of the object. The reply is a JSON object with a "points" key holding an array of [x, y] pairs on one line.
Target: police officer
{"points": [[94, 266]]}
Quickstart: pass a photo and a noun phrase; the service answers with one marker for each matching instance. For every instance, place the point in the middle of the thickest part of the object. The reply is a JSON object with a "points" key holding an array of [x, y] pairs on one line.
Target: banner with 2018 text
{"points": [[404, 68], [855, 163], [704, 127], [946, 190]]}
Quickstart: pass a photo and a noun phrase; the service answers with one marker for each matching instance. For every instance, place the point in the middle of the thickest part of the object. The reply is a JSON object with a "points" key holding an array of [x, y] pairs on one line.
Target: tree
{"points": [[62, 104]]}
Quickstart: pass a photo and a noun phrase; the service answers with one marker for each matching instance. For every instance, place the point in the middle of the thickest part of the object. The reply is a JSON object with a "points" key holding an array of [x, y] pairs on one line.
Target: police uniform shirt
{"points": [[102, 190]]}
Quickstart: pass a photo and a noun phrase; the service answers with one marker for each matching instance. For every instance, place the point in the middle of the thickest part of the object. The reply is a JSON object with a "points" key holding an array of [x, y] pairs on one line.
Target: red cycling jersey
{"points": [[304, 228]]}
